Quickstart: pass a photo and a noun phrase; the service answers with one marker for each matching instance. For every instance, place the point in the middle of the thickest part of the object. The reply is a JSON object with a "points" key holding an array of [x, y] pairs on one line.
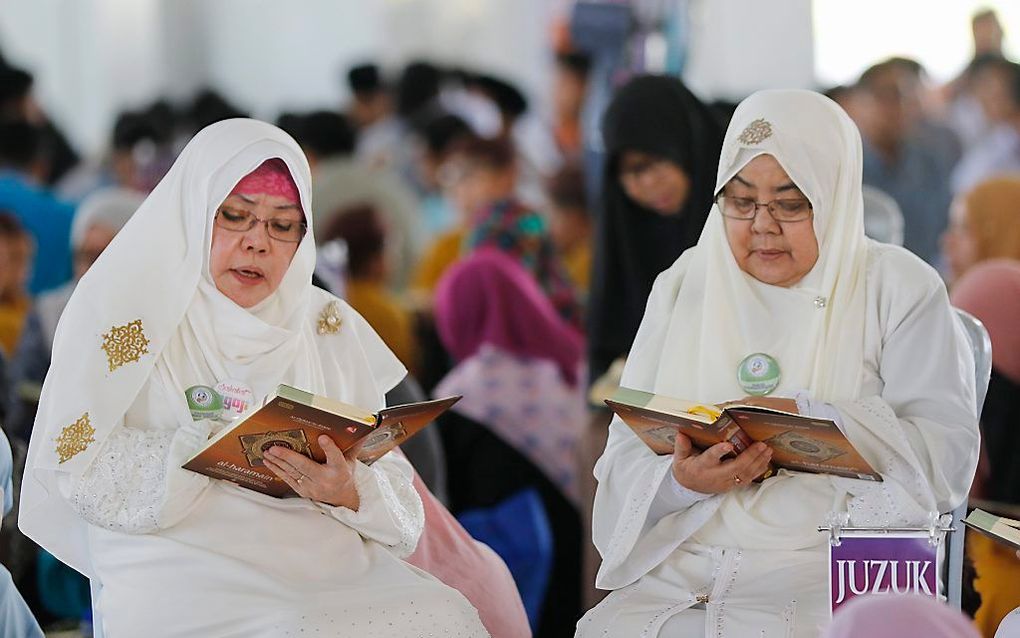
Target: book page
{"points": [[1001, 529], [705, 413]]}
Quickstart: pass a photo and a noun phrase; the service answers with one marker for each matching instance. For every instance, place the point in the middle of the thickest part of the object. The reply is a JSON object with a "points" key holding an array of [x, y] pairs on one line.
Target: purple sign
{"points": [[882, 564]]}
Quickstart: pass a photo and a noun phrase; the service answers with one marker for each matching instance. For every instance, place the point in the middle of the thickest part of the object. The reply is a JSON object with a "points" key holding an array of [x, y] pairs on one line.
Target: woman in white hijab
{"points": [[210, 282], [857, 331]]}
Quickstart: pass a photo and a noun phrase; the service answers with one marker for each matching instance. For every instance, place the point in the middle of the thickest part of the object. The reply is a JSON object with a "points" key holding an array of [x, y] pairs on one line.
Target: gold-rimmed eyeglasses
{"points": [[279, 228], [784, 211]]}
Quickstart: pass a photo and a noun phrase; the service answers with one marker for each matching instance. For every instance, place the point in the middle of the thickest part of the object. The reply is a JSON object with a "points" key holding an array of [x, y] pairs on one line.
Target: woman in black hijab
{"points": [[662, 149]]}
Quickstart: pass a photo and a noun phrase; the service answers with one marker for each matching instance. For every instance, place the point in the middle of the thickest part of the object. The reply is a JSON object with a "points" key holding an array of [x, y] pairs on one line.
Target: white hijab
{"points": [[156, 270], [722, 314]]}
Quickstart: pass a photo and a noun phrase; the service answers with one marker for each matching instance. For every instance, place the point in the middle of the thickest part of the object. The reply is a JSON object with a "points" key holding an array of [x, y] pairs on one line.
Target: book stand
{"points": [[837, 525]]}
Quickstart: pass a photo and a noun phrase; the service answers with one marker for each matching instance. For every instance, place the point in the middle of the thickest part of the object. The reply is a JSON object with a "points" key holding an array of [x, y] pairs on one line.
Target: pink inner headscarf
{"points": [[893, 616], [991, 292], [488, 298], [270, 178]]}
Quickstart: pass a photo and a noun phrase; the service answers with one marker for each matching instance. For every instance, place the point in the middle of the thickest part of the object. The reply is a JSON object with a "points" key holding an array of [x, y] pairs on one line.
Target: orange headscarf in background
{"points": [[993, 217]]}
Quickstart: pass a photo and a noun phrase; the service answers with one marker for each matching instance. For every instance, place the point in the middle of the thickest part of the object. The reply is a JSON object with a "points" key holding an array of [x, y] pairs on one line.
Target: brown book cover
{"points": [[295, 419], [799, 443]]}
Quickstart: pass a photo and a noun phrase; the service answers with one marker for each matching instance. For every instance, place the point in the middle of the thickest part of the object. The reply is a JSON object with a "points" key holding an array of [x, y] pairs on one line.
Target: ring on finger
{"points": [[301, 478]]}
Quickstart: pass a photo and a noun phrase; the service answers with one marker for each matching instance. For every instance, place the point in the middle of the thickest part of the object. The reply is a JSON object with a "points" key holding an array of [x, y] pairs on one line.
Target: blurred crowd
{"points": [[462, 225]]}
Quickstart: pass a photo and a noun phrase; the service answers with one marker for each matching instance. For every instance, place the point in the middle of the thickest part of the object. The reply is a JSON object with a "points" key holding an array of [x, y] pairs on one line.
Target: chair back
{"points": [[981, 346]]}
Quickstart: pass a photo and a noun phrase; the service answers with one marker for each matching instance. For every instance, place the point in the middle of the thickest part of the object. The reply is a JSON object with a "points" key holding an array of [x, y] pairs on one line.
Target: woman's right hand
{"points": [[707, 472]]}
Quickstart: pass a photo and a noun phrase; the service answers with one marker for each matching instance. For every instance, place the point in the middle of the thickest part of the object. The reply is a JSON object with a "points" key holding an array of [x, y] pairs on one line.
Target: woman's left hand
{"points": [[331, 482]]}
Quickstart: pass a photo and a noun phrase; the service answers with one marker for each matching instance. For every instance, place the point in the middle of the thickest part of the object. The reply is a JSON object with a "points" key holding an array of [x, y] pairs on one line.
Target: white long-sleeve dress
{"points": [[751, 562], [175, 553]]}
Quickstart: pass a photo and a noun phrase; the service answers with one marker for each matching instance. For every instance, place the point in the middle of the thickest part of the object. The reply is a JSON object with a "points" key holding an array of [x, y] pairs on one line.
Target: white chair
{"points": [[981, 345], [883, 219]]}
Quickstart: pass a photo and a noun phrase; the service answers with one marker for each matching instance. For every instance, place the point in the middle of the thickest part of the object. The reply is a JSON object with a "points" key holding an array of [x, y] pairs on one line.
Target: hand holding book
{"points": [[302, 444], [711, 471], [331, 482], [798, 443]]}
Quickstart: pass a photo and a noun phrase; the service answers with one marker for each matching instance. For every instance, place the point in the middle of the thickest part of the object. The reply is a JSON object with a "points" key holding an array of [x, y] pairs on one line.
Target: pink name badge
{"points": [[237, 398], [882, 564]]}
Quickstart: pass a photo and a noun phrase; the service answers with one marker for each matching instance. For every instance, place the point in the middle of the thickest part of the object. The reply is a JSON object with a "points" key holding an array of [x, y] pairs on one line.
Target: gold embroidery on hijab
{"points": [[75, 438], [125, 344], [756, 132]]}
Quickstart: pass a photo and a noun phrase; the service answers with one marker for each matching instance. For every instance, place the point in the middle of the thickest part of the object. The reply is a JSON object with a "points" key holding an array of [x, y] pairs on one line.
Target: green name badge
{"points": [[758, 374], [204, 402]]}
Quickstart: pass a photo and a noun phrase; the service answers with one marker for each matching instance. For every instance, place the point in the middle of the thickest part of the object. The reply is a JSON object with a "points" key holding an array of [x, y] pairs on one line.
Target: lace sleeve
{"points": [[136, 484], [391, 511]]}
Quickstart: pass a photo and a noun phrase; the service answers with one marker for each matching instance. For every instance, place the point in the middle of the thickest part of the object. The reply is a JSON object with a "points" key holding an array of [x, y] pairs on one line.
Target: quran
{"points": [[294, 419], [999, 528], [799, 443]]}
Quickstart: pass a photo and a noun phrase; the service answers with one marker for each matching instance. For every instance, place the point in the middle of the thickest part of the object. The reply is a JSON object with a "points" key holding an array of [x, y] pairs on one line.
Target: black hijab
{"points": [[659, 116], [1001, 439]]}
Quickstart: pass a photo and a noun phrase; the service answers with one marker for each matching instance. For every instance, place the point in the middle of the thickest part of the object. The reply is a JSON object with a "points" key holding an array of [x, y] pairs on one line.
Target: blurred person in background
{"points": [[570, 86], [16, 250], [437, 137], [997, 89], [17, 102], [206, 107], [98, 219], [896, 160], [898, 616], [361, 228], [141, 151], [371, 111], [570, 225], [476, 173], [499, 218], [963, 110], [918, 99], [519, 369], [341, 180], [532, 139], [991, 292], [47, 219], [16, 620], [662, 149], [984, 224]]}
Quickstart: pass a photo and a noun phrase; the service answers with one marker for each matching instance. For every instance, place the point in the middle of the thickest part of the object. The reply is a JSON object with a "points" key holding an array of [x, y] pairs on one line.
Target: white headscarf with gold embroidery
{"points": [[149, 308], [815, 329]]}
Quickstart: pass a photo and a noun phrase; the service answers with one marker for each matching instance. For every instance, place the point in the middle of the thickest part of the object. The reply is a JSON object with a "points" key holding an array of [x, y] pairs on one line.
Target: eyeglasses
{"points": [[784, 211], [278, 228]]}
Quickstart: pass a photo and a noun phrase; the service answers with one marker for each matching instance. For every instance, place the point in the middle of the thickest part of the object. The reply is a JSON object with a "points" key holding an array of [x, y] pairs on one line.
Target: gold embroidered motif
{"points": [[75, 438], [756, 132], [125, 344], [329, 319]]}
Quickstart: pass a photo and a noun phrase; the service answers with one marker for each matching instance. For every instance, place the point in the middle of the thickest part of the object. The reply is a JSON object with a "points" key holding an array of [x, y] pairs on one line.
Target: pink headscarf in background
{"points": [[488, 298], [270, 178], [991, 292], [894, 616], [448, 552], [518, 362]]}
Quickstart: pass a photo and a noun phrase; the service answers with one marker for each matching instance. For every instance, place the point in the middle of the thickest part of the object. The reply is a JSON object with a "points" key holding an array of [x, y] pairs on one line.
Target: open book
{"points": [[295, 419], [1005, 530], [799, 443]]}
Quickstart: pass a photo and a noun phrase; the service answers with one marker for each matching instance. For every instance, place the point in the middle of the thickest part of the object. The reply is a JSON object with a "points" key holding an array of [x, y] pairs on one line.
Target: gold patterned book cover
{"points": [[799, 443], [295, 419]]}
